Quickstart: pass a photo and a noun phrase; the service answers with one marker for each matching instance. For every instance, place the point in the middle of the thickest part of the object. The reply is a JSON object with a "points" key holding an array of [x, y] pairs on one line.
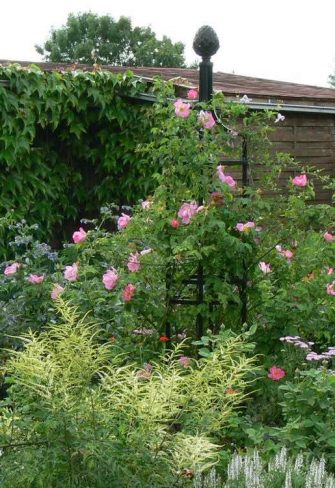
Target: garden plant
{"points": [[107, 380]]}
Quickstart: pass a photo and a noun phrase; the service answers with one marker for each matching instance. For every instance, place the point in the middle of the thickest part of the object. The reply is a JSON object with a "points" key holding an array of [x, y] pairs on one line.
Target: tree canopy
{"points": [[89, 38]]}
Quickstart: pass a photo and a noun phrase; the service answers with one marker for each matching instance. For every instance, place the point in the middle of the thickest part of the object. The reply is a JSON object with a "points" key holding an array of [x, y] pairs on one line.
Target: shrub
{"points": [[79, 414]]}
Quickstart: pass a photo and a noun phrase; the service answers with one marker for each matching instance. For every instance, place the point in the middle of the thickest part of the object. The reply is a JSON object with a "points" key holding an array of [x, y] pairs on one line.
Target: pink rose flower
{"points": [[110, 279], [175, 223], [182, 109], [123, 221], [134, 262], [56, 291], [79, 236], [331, 288], [35, 279], [71, 272], [184, 361], [300, 180], [264, 267], [245, 227], [276, 373], [206, 119], [186, 212], [229, 180], [12, 269], [286, 253], [192, 94], [128, 292], [328, 236], [330, 271]]}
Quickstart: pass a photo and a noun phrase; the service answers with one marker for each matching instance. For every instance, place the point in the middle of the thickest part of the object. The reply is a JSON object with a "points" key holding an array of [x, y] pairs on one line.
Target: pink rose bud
{"points": [[71, 272], [35, 279], [56, 291], [79, 236], [12, 269], [175, 223], [300, 180], [328, 236], [110, 279], [128, 292], [192, 94], [123, 221]]}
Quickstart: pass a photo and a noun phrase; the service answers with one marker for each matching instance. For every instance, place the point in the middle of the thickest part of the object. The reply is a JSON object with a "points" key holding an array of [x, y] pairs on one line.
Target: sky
{"points": [[287, 40]]}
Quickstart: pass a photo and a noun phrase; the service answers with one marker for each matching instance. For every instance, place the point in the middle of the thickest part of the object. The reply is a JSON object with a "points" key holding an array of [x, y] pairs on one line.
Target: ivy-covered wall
{"points": [[68, 144]]}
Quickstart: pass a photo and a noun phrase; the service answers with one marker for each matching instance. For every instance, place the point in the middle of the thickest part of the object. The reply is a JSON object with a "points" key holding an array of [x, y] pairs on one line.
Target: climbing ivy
{"points": [[68, 144]]}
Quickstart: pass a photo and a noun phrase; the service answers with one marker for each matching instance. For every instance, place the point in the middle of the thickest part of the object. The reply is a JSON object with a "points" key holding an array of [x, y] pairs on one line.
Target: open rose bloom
{"points": [[123, 221], [79, 236], [186, 212], [300, 180], [36, 279], [110, 279], [56, 291], [71, 272], [182, 109], [229, 180], [276, 373], [12, 269]]}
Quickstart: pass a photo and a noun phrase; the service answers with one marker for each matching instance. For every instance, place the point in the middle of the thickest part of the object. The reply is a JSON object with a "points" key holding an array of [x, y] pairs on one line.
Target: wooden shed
{"points": [[308, 132]]}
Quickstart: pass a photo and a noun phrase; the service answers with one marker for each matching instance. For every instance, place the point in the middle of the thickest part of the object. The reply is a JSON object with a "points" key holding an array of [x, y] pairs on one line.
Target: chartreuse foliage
{"points": [[79, 414], [68, 143]]}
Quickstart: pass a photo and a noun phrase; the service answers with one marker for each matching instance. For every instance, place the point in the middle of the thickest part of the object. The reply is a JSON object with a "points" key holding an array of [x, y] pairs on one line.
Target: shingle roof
{"points": [[230, 84]]}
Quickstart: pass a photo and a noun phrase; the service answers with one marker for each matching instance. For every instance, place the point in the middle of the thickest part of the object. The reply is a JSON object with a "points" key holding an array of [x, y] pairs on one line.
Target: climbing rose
{"points": [[134, 262], [184, 361], [110, 278], [245, 227], [264, 267], [328, 236], [123, 221], [300, 180], [229, 180], [331, 288], [56, 291], [12, 269], [186, 212], [79, 236], [71, 272], [182, 109], [206, 119], [276, 373], [192, 94], [175, 223], [128, 292], [35, 279]]}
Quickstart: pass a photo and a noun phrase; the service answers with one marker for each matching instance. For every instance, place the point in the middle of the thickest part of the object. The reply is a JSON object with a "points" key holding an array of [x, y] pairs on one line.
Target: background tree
{"points": [[331, 80], [89, 38]]}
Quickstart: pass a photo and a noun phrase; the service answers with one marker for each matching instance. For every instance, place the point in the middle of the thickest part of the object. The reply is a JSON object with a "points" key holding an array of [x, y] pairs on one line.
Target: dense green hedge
{"points": [[68, 144]]}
